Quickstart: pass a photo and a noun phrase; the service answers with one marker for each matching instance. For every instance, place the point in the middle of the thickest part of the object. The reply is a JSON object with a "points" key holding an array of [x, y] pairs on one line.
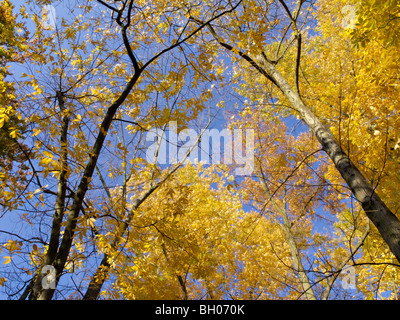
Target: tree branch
{"points": [[60, 200], [99, 277]]}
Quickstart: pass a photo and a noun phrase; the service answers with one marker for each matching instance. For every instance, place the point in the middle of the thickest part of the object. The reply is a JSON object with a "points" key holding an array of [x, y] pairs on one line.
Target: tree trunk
{"points": [[294, 250], [385, 221]]}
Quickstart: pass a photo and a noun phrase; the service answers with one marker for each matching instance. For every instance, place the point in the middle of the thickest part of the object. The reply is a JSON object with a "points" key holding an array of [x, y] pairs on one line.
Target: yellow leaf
{"points": [[78, 118], [2, 281], [14, 134], [8, 259], [47, 154], [35, 132], [90, 222]]}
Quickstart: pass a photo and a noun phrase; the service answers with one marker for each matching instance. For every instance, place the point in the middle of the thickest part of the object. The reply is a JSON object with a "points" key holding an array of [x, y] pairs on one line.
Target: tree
{"points": [[13, 49], [290, 190], [253, 50], [81, 85], [103, 219], [181, 244]]}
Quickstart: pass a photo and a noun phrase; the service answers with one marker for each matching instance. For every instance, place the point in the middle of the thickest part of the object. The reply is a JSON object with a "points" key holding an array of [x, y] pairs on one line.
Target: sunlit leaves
{"points": [[359, 102], [203, 234], [192, 230]]}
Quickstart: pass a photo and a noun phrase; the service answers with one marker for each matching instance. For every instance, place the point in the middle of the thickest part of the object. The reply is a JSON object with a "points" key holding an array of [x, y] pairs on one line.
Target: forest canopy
{"points": [[194, 150]]}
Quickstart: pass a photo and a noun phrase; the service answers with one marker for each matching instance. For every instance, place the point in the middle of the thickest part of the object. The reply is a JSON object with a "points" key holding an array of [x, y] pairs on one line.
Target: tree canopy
{"points": [[245, 149]]}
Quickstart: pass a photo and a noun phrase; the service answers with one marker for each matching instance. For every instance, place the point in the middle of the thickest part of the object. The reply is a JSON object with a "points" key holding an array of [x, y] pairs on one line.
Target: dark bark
{"points": [[58, 258], [36, 287]]}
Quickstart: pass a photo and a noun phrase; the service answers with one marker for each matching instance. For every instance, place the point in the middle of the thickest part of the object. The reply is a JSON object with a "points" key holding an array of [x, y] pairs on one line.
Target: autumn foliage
{"points": [[317, 82]]}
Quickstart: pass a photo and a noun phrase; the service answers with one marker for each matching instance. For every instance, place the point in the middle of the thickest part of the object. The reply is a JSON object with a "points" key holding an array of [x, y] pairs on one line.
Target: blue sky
{"points": [[10, 222]]}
